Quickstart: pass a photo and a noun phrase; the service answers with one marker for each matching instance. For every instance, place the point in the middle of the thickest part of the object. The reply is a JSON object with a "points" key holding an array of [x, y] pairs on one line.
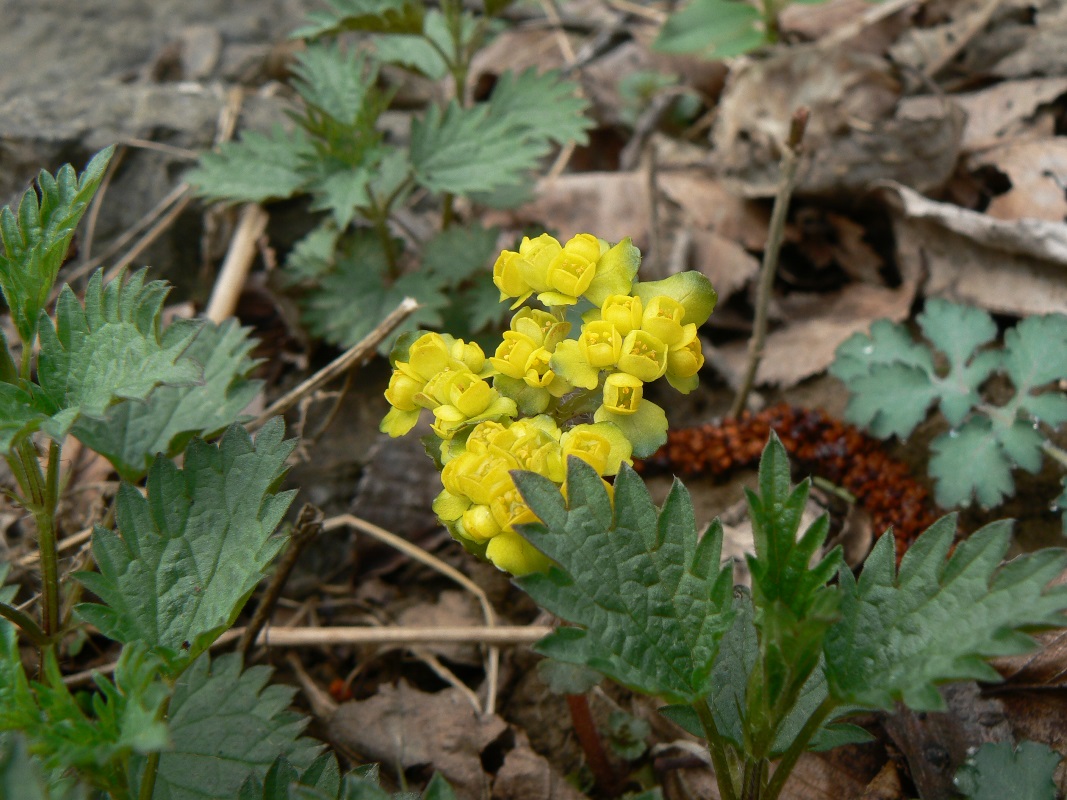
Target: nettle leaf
{"points": [[256, 169], [371, 16], [186, 557], [226, 724], [348, 302], [998, 770], [313, 255], [493, 144], [133, 432], [282, 781], [649, 596], [900, 635], [712, 28], [21, 774], [109, 350], [36, 241], [461, 253], [336, 82]]}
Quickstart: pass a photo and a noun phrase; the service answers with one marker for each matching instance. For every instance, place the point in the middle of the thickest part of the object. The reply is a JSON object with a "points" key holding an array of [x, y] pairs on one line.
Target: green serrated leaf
{"points": [[561, 112], [412, 51], [970, 463], [226, 724], [563, 678], [187, 557], [713, 29], [20, 415], [999, 770], [371, 16], [109, 350], [900, 635], [36, 241], [460, 253], [133, 432], [313, 255], [338, 83], [283, 781], [959, 331], [256, 169], [649, 597], [890, 400], [21, 775], [349, 301]]}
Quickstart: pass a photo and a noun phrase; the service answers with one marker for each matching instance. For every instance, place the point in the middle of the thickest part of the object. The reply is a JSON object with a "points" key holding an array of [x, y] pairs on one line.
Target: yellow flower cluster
{"points": [[632, 333], [480, 503]]}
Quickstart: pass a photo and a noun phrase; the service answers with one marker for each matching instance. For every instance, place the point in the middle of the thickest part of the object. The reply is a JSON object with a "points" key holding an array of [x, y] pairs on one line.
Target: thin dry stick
{"points": [[560, 35], [322, 705], [238, 263], [790, 163], [341, 364], [447, 675], [417, 553], [66, 544], [183, 153], [308, 525]]}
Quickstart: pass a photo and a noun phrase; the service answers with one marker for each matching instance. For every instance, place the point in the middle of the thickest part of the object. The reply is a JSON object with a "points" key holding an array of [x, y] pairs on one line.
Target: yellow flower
{"points": [[622, 393], [663, 319], [571, 271], [478, 477], [469, 355], [470, 394], [428, 355], [479, 523], [615, 270], [402, 390], [537, 254], [622, 311], [600, 344], [513, 354], [539, 374], [510, 509], [643, 355], [508, 277], [601, 445], [511, 553], [687, 357]]}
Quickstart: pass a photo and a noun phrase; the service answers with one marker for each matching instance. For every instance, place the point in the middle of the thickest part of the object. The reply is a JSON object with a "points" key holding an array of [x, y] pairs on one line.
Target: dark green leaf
{"points": [[256, 169], [461, 253], [1035, 355], [648, 595], [110, 350], [969, 463], [227, 724], [133, 432], [561, 112], [998, 771], [340, 84], [36, 241], [563, 678], [937, 621], [372, 16], [187, 557]]}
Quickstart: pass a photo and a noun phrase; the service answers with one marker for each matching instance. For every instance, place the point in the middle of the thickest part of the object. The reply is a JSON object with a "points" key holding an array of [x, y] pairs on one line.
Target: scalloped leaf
{"points": [[133, 432], [36, 241], [999, 770], [971, 463], [937, 620], [187, 556], [649, 597]]}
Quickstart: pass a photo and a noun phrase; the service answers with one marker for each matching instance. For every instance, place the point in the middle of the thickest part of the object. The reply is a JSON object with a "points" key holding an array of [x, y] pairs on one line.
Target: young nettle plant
{"points": [[185, 554], [894, 381], [352, 269], [722, 28], [762, 676]]}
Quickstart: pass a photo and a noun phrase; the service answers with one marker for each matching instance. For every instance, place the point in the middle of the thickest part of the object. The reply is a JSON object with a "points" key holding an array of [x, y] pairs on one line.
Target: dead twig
{"points": [[790, 163], [356, 355], [238, 263]]}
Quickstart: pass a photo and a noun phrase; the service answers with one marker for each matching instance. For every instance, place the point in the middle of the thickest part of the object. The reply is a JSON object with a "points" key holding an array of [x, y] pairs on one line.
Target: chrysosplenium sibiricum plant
{"points": [[527, 406]]}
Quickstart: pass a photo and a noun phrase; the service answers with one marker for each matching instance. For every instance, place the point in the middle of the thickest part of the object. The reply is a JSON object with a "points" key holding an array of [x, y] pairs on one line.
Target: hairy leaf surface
{"points": [[255, 169], [187, 557], [133, 432], [900, 635], [999, 770], [648, 596]]}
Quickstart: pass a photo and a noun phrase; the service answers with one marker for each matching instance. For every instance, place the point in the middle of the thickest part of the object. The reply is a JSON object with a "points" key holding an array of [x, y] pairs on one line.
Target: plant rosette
{"points": [[528, 405]]}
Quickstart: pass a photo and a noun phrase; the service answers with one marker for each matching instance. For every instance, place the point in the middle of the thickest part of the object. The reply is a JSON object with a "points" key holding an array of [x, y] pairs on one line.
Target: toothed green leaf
{"points": [[999, 770], [969, 463], [371, 16], [255, 169], [186, 557], [133, 432], [226, 725], [900, 635], [1035, 355], [648, 596], [713, 29], [36, 241], [109, 350]]}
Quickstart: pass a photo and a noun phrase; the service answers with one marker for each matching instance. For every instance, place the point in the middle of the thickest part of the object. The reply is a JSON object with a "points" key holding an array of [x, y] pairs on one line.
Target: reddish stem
{"points": [[592, 746]]}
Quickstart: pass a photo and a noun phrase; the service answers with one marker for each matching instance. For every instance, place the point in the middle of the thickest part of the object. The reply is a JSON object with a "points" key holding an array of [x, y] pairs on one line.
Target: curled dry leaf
{"points": [[1017, 267], [1004, 110], [861, 130], [1036, 171]]}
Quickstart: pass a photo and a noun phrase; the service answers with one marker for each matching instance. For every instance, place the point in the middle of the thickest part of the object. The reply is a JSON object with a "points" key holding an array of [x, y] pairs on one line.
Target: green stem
{"points": [[151, 767], [790, 163], [42, 492], [1054, 452], [448, 201], [797, 748], [27, 624], [380, 218], [717, 746], [26, 360]]}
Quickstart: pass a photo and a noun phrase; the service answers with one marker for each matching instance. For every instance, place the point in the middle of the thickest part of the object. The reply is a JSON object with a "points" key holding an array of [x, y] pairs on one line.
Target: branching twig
{"points": [[790, 162]]}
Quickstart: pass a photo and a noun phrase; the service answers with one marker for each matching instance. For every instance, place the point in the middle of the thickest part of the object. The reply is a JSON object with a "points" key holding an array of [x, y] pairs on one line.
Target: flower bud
{"points": [[470, 394], [402, 390], [600, 344], [573, 269], [428, 355], [469, 354], [508, 276], [479, 523], [537, 254], [686, 359], [513, 354]]}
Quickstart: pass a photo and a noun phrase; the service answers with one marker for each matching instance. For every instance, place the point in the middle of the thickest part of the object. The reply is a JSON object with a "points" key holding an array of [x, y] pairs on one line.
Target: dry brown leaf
{"points": [[726, 264], [1044, 50], [826, 239], [861, 129], [611, 205], [928, 50], [1005, 109], [1037, 170], [1017, 267], [453, 609], [706, 204], [525, 774], [518, 49], [403, 727], [818, 324]]}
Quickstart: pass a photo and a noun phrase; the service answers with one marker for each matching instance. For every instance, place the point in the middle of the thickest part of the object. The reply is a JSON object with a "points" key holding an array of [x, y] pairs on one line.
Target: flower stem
{"points": [[790, 163], [797, 748], [724, 776], [592, 746]]}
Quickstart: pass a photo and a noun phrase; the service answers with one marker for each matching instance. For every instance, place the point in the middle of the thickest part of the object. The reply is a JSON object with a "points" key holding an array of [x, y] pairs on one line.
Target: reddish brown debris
{"points": [[819, 445]]}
